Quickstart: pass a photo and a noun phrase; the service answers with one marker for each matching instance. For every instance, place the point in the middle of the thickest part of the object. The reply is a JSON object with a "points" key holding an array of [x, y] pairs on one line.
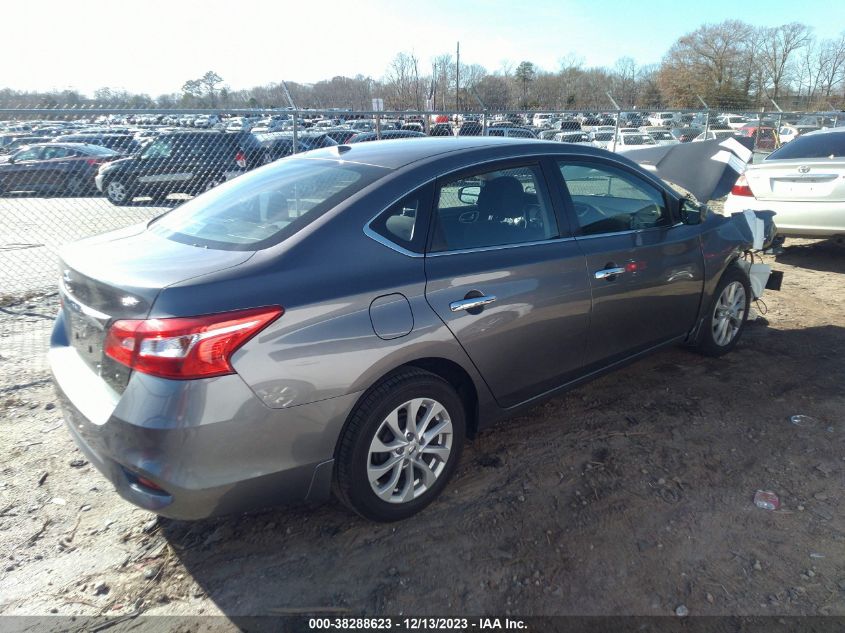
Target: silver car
{"points": [[343, 319]]}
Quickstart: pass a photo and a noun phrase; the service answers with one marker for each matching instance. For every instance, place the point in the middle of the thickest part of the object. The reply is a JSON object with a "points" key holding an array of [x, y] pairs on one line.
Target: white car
{"points": [[541, 119], [662, 119], [602, 139], [629, 141], [803, 182], [712, 134], [239, 124], [787, 133], [733, 121]]}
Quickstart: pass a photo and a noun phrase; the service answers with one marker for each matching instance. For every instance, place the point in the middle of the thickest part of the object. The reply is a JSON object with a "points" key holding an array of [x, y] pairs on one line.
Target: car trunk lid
{"points": [[798, 180], [140, 265]]}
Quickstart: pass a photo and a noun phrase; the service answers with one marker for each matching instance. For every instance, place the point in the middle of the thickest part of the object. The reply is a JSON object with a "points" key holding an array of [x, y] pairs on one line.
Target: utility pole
{"points": [[458, 79]]}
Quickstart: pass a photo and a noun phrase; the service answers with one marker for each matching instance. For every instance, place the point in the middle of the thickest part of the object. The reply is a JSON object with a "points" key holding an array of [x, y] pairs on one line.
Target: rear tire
{"points": [[726, 317], [400, 447]]}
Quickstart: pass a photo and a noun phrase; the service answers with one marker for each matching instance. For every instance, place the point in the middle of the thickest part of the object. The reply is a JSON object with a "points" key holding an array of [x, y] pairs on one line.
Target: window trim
{"points": [[669, 202], [535, 162]]}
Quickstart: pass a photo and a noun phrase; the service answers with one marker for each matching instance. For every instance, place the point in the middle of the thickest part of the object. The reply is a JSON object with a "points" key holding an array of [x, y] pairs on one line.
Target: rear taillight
{"points": [[92, 162], [741, 187], [186, 347], [240, 159]]}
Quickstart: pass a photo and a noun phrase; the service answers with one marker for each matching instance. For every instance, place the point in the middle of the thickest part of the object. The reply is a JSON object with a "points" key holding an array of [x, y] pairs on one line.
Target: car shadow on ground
{"points": [[545, 511], [824, 256]]}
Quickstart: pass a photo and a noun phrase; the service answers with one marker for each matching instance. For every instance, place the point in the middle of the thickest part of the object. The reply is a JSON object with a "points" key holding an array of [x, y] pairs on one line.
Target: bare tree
{"points": [[778, 47]]}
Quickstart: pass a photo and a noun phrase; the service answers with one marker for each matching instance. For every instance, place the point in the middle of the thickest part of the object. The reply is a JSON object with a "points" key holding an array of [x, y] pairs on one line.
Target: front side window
{"points": [[493, 208], [160, 148], [610, 200], [266, 206]]}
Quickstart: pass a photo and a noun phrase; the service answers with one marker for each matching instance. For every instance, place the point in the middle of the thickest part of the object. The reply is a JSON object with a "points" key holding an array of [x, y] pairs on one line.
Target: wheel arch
{"points": [[449, 371]]}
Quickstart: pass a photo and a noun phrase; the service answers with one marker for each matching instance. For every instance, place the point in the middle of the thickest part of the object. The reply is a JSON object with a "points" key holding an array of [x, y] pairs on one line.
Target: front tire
{"points": [[401, 446], [118, 192], [726, 317]]}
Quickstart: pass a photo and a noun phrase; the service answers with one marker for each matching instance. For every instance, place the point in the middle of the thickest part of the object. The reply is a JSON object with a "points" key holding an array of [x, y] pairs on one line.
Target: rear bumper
{"points": [[796, 219], [211, 446], [98, 181]]}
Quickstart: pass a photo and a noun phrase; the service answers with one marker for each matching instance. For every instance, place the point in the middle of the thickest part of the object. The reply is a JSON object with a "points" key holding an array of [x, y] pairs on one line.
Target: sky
{"points": [[155, 46]]}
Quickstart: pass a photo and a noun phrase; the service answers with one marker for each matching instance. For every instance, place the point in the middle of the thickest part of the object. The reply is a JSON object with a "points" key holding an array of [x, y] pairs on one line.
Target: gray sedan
{"points": [[343, 319]]}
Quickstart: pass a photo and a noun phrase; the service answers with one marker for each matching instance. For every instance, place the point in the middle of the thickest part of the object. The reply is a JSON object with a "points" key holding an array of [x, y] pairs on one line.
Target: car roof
{"points": [[830, 130], [395, 154]]}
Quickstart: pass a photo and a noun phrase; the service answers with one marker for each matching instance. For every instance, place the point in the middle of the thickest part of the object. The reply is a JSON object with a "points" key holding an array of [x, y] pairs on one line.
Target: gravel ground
{"points": [[629, 495]]}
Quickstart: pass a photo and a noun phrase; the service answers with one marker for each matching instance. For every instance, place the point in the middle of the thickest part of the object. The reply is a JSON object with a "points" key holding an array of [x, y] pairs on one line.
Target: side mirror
{"points": [[469, 195], [692, 213]]}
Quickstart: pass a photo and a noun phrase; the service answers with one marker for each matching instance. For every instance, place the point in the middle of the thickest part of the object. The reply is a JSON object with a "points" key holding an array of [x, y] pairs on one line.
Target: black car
{"points": [[441, 129], [125, 144], [341, 136], [55, 168], [18, 143], [180, 162], [470, 128], [277, 145], [685, 134], [386, 135]]}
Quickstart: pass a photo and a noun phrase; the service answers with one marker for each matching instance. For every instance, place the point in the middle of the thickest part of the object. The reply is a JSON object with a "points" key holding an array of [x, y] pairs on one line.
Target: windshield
{"points": [[265, 206]]}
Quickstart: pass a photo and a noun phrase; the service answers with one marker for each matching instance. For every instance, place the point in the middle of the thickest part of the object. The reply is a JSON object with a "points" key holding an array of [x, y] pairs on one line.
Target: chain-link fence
{"points": [[66, 174]]}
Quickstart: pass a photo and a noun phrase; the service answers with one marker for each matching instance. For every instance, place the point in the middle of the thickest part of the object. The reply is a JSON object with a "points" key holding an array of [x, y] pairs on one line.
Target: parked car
{"points": [[685, 134], [205, 121], [663, 119], [239, 124], [733, 121], [341, 135], [764, 136], [510, 132], [386, 135], [279, 145], [125, 144], [572, 137], [53, 168], [542, 119], [787, 133], [803, 182], [713, 134], [470, 128], [604, 140], [632, 140], [441, 129], [216, 359], [663, 137], [180, 162], [15, 144]]}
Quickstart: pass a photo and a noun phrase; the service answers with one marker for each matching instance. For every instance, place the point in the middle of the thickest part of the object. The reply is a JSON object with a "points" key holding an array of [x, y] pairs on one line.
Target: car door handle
{"points": [[472, 303], [609, 272]]}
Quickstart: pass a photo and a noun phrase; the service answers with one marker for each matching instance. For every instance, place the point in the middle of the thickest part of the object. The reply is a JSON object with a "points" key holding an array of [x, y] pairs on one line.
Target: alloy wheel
{"points": [[729, 313], [410, 450]]}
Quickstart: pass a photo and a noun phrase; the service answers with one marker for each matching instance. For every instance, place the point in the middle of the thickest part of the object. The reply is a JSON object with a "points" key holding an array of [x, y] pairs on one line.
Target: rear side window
{"points": [[493, 208], [405, 222], [266, 206], [825, 145]]}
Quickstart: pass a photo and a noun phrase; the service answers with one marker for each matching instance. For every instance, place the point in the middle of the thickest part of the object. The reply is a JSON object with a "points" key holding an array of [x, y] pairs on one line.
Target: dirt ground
{"points": [[630, 495]]}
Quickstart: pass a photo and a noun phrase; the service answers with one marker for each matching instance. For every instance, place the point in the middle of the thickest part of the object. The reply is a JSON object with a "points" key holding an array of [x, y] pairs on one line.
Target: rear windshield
{"points": [[265, 206], [825, 145]]}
